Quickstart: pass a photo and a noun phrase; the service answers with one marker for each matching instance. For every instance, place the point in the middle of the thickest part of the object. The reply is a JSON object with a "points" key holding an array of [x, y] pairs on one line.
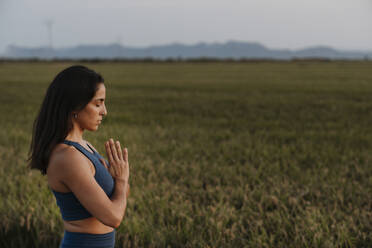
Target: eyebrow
{"points": [[100, 99]]}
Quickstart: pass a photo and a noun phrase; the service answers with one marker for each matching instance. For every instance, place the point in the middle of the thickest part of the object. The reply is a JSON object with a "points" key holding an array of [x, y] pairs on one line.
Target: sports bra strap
{"points": [[80, 148]]}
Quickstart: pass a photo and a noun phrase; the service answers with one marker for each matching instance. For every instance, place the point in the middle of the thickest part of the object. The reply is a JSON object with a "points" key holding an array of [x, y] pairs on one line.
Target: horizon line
{"points": [[189, 44]]}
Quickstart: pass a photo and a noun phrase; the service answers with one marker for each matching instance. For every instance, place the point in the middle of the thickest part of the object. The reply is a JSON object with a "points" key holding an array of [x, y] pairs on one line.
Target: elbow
{"points": [[114, 218], [116, 225], [118, 222], [115, 222]]}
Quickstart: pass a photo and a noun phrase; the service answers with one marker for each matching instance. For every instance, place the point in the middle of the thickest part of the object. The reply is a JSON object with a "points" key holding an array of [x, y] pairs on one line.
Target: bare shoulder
{"points": [[66, 160]]}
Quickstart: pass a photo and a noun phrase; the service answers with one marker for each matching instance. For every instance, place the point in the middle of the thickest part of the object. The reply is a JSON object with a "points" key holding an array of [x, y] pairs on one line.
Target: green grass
{"points": [[270, 154]]}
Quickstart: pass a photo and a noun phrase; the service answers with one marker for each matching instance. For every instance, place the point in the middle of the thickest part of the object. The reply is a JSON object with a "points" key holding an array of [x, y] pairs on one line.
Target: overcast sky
{"points": [[293, 24]]}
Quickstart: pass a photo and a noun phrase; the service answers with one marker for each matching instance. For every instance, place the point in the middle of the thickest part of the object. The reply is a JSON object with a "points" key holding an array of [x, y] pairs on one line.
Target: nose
{"points": [[104, 111]]}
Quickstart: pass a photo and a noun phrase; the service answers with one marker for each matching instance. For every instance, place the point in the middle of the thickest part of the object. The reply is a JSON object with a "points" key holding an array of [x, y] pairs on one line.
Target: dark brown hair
{"points": [[71, 90]]}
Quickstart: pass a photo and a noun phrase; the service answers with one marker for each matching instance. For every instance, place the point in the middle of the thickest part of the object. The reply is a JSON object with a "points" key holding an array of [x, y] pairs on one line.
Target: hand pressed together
{"points": [[118, 160]]}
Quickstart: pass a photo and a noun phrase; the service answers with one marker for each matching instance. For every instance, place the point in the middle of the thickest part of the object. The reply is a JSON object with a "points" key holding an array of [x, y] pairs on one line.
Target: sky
{"points": [[289, 24]]}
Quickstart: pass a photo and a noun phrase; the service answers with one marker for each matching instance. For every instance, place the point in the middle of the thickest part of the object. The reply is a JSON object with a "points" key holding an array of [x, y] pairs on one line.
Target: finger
{"points": [[115, 169], [125, 152], [103, 162], [126, 161], [113, 150], [108, 152], [111, 159], [118, 148]]}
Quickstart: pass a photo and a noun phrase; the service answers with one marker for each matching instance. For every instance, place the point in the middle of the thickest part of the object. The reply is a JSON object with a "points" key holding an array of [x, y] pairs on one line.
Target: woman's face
{"points": [[91, 116]]}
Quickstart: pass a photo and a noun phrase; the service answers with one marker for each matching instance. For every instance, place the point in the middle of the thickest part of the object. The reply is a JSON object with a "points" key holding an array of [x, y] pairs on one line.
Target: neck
{"points": [[76, 135]]}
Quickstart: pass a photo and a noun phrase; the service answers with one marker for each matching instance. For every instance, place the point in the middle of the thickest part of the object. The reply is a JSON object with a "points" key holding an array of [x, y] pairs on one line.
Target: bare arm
{"points": [[76, 175], [104, 162], [119, 170]]}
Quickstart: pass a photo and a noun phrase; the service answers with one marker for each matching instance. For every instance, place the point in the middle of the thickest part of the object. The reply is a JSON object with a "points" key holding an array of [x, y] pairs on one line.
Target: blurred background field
{"points": [[265, 154]]}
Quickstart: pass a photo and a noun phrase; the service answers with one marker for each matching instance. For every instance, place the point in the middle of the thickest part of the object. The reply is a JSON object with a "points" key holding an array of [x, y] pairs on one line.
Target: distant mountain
{"points": [[231, 49]]}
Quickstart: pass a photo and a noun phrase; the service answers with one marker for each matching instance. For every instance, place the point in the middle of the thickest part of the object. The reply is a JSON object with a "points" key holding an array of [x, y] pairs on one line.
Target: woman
{"points": [[91, 193]]}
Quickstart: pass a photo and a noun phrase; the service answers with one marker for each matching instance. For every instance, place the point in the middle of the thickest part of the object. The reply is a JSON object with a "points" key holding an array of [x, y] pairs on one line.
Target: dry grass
{"points": [[222, 154]]}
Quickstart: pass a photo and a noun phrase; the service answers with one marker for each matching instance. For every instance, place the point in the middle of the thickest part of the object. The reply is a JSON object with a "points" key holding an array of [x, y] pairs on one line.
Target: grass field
{"points": [[268, 154]]}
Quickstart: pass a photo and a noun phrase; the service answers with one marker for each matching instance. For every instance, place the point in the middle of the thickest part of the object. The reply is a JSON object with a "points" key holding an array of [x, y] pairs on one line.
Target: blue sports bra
{"points": [[71, 208]]}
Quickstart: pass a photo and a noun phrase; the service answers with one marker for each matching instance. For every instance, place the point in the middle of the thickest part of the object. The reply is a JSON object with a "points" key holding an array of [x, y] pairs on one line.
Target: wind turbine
{"points": [[49, 25]]}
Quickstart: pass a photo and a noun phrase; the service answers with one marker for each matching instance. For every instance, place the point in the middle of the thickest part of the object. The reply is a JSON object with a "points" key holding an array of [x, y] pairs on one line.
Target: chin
{"points": [[94, 128]]}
